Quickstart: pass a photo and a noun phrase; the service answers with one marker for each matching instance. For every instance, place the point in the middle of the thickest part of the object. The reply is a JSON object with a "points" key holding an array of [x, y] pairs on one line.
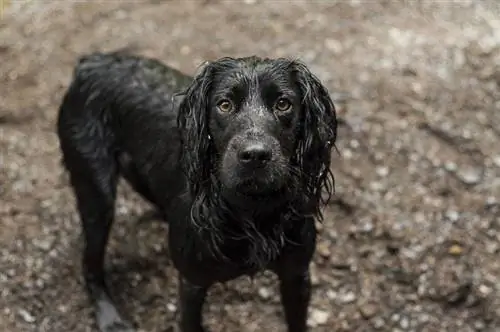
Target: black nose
{"points": [[256, 154]]}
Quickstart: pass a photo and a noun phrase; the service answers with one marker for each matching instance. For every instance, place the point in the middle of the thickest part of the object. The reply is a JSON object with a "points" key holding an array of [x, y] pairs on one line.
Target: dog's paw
{"points": [[117, 326], [109, 320]]}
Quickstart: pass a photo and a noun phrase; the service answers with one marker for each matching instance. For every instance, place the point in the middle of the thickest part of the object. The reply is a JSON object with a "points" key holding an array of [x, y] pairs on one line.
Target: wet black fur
{"points": [[130, 116]]}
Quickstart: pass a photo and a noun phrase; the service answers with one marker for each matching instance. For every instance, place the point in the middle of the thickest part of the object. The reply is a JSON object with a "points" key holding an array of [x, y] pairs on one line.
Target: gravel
{"points": [[411, 241]]}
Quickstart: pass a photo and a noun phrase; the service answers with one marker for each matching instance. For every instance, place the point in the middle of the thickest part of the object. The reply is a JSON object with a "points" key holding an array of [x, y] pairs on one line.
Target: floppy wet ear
{"points": [[192, 122], [317, 136]]}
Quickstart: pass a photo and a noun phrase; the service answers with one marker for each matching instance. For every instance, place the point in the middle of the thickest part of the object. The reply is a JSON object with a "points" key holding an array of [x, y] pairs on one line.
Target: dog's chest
{"points": [[236, 255]]}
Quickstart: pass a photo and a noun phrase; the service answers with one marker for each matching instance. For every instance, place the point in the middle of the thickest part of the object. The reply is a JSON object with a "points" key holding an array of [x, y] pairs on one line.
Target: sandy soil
{"points": [[410, 244]]}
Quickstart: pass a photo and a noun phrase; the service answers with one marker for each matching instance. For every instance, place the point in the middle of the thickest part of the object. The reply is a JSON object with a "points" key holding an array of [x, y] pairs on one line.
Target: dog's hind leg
{"points": [[94, 179]]}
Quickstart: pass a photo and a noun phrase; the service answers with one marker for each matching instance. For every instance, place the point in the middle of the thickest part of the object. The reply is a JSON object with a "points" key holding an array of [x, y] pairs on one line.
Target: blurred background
{"points": [[412, 240]]}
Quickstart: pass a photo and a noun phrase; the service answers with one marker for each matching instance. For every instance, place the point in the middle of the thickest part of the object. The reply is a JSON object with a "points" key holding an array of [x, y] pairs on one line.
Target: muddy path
{"points": [[412, 240]]}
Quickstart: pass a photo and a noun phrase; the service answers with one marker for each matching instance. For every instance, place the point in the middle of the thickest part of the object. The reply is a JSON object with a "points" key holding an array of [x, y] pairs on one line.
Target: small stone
{"points": [[471, 176], [367, 226], [171, 307], [424, 318], [324, 250], [404, 323], [45, 245], [318, 317], [492, 247], [491, 200], [347, 297], [479, 325], [378, 323], [264, 293], [382, 171], [450, 166], [331, 294], [377, 186], [367, 309], [452, 215], [455, 250], [496, 160], [347, 153], [485, 290], [28, 318]]}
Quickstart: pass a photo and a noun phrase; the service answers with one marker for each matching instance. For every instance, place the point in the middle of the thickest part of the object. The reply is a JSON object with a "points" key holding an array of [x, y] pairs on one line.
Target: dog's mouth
{"points": [[254, 186], [259, 182], [250, 192]]}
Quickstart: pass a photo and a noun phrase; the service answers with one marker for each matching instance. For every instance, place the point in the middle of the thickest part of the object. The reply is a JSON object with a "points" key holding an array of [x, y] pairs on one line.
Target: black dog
{"points": [[238, 163]]}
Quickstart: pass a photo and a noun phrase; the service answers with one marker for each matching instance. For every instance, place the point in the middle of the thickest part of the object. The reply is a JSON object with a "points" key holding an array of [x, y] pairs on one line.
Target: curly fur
{"points": [[311, 163]]}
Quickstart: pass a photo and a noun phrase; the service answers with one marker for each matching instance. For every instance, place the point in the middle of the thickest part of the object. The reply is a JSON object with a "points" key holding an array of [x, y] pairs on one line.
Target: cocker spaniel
{"points": [[237, 159]]}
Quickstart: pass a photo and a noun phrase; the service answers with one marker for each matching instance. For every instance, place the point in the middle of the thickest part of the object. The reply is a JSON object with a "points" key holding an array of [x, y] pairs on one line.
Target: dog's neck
{"points": [[254, 224]]}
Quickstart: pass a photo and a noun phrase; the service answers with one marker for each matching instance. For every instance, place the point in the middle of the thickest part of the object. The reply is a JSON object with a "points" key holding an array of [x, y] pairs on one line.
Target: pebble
{"points": [[455, 250], [382, 171], [450, 166], [368, 309], [331, 294], [264, 293], [470, 176], [377, 186], [378, 323], [479, 325], [26, 316], [366, 226], [171, 307], [496, 160], [452, 215], [485, 290], [45, 245], [404, 323], [324, 250], [347, 297], [318, 317], [492, 247]]}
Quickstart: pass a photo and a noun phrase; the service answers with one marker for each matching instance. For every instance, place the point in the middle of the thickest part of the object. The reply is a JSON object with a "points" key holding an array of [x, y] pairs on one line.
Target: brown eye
{"points": [[225, 106], [282, 105]]}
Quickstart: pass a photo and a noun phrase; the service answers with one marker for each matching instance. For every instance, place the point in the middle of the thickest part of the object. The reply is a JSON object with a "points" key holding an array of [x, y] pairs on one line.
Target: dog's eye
{"points": [[225, 106], [282, 105]]}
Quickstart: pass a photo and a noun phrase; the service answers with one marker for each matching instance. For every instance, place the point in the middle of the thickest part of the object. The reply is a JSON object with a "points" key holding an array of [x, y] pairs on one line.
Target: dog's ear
{"points": [[317, 135], [192, 120]]}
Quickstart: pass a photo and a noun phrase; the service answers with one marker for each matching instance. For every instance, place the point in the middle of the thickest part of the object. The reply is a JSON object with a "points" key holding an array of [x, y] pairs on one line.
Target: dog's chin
{"points": [[256, 186]]}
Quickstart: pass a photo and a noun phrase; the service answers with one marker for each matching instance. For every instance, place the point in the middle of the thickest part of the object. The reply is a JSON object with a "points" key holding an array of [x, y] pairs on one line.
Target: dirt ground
{"points": [[412, 241]]}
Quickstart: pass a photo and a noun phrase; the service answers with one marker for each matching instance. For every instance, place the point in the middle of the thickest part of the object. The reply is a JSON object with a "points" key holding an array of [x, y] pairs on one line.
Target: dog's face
{"points": [[254, 113], [255, 123]]}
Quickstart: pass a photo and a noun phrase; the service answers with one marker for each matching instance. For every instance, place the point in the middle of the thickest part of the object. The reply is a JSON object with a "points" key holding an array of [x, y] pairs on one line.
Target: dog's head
{"points": [[254, 126]]}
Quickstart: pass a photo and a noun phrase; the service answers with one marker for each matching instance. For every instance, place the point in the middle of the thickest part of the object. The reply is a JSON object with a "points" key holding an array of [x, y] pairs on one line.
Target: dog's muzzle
{"points": [[255, 155]]}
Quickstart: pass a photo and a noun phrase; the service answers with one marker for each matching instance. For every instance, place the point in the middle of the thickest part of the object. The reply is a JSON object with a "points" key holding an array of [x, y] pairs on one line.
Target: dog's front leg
{"points": [[295, 289], [191, 298]]}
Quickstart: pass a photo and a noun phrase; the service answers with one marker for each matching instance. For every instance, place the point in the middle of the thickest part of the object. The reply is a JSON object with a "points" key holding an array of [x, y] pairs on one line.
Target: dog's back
{"points": [[114, 115]]}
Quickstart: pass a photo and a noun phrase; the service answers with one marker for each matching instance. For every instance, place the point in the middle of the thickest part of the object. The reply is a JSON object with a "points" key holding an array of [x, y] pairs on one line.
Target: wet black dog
{"points": [[237, 161]]}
